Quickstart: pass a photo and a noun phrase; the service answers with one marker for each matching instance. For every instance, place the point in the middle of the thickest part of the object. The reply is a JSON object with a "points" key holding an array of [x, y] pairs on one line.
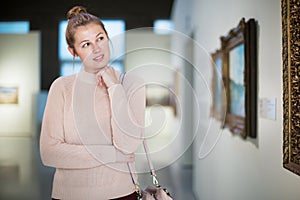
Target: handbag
{"points": [[154, 191]]}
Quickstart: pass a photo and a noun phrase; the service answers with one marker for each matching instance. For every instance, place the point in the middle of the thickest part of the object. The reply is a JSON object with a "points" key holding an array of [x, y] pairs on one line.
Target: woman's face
{"points": [[91, 45]]}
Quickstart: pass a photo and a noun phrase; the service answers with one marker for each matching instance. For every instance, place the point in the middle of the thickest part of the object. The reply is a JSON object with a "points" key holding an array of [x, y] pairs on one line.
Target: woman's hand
{"points": [[107, 77], [121, 157]]}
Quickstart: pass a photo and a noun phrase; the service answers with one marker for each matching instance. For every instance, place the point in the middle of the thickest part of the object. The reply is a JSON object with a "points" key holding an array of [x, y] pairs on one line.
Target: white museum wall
{"points": [[148, 54], [226, 166], [19, 66], [182, 45]]}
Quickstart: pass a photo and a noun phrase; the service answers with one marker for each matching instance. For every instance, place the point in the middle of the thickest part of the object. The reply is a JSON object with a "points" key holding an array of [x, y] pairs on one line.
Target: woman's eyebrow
{"points": [[99, 34], [83, 41], [95, 37]]}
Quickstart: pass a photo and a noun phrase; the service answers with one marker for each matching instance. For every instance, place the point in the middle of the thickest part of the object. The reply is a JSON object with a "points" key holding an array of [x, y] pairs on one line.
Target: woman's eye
{"points": [[101, 38], [85, 45]]}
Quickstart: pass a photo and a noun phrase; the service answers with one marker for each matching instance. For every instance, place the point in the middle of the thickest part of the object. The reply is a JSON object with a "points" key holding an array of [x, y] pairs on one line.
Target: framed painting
{"points": [[291, 90], [9, 95], [157, 95], [218, 105], [239, 49]]}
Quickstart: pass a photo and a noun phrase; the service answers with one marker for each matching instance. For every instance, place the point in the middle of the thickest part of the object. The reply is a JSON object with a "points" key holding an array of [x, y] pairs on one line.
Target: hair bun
{"points": [[76, 10]]}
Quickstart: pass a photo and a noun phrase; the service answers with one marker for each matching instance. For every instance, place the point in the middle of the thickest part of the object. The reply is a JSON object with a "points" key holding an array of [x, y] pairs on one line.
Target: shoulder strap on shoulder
{"points": [[122, 75]]}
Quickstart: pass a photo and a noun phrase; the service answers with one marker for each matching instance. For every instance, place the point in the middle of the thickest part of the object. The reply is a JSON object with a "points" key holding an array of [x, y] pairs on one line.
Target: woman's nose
{"points": [[97, 48]]}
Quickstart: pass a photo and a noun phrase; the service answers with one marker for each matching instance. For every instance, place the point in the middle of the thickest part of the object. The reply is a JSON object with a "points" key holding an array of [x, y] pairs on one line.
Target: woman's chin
{"points": [[95, 68]]}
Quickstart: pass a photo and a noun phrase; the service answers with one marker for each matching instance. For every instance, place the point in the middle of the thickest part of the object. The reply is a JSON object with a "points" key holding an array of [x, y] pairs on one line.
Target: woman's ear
{"points": [[72, 51]]}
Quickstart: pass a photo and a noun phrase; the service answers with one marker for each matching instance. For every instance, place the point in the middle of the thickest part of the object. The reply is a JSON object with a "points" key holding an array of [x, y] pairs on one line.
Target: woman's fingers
{"points": [[107, 77]]}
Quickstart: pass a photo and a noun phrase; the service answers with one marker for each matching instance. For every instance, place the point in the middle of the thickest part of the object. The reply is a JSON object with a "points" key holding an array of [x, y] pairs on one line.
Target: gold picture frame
{"points": [[291, 67], [239, 49]]}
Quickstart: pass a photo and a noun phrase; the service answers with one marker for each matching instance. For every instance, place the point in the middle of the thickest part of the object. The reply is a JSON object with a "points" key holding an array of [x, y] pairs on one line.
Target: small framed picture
{"points": [[9, 95]]}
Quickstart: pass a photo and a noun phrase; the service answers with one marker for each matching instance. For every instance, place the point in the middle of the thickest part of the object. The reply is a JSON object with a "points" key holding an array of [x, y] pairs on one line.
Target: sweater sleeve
{"points": [[55, 152], [128, 113]]}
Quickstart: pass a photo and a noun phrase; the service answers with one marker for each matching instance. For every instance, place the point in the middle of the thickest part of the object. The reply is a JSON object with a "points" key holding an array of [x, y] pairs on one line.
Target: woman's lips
{"points": [[99, 58]]}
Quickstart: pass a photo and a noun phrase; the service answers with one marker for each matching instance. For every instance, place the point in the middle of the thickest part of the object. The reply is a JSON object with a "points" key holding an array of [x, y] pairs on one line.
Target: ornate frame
{"points": [[244, 34], [291, 91]]}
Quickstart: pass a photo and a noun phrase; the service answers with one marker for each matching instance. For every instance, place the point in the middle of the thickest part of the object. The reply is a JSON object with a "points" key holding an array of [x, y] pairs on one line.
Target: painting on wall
{"points": [[157, 95], [9, 95], [236, 80], [239, 51], [218, 106], [291, 90]]}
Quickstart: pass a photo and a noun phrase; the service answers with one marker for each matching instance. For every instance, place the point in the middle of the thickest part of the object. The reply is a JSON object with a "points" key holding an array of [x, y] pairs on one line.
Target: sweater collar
{"points": [[87, 77]]}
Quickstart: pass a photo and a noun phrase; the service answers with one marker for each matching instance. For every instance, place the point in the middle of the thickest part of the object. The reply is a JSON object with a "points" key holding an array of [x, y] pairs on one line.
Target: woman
{"points": [[93, 121]]}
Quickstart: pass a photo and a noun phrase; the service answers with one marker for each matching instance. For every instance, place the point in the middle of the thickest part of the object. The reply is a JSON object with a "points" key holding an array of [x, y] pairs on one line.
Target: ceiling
{"points": [[136, 13]]}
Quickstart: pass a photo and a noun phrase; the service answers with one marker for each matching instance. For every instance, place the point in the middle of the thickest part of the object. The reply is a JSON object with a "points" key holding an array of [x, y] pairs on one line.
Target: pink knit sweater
{"points": [[84, 128]]}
